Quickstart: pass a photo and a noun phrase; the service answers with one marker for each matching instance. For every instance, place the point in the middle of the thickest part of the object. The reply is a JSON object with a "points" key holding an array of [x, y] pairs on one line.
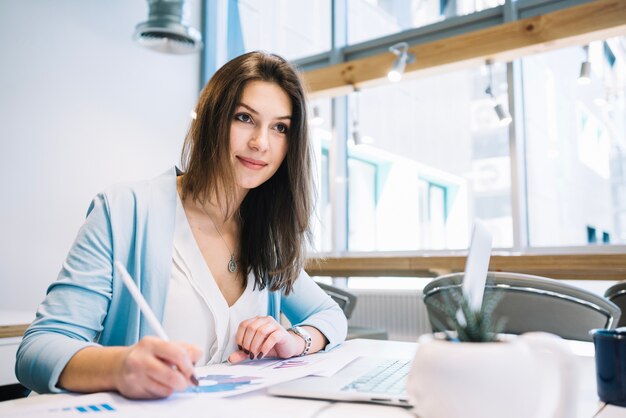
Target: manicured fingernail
{"points": [[194, 380], [260, 356], [239, 347], [251, 356], [246, 351]]}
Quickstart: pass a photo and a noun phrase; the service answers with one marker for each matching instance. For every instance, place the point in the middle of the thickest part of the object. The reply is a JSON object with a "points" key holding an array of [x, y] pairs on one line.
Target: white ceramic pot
{"points": [[530, 376]]}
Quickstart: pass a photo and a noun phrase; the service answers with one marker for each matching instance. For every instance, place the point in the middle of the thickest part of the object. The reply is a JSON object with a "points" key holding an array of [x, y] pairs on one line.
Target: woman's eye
{"points": [[282, 128], [243, 117]]}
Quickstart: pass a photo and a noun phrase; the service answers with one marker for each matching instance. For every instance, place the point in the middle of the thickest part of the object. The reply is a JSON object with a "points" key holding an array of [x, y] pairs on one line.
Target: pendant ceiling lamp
{"points": [[167, 29]]}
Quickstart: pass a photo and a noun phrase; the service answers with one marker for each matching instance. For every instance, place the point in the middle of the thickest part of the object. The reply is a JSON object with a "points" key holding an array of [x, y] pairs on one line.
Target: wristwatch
{"points": [[304, 334]]}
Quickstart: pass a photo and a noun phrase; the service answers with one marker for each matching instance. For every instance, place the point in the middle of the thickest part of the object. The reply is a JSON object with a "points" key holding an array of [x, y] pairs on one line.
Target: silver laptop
{"points": [[375, 379], [366, 379]]}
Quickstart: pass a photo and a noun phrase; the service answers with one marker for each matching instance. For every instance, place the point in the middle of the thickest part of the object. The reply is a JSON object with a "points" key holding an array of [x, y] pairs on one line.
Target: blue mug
{"points": [[610, 347]]}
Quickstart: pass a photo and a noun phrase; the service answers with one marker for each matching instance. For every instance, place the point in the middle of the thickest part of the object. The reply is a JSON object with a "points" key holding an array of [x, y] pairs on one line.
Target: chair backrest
{"points": [[345, 299], [617, 295], [534, 303]]}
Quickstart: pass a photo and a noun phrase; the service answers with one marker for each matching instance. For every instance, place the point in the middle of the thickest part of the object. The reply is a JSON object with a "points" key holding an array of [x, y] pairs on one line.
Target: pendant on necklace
{"points": [[232, 264]]}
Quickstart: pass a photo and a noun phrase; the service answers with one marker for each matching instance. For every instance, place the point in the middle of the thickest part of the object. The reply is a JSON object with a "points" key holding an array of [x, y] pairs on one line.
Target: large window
{"points": [[576, 146], [419, 160]]}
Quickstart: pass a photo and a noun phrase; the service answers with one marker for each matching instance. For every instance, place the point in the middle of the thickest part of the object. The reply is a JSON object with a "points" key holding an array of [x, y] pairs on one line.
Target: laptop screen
{"points": [[477, 265]]}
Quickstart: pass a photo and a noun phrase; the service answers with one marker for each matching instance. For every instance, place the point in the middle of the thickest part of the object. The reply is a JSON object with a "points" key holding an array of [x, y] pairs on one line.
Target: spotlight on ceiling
{"points": [[504, 117], [585, 68], [403, 58], [317, 118]]}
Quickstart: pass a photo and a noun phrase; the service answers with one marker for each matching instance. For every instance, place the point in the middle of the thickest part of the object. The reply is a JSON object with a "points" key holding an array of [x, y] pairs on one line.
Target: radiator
{"points": [[401, 312]]}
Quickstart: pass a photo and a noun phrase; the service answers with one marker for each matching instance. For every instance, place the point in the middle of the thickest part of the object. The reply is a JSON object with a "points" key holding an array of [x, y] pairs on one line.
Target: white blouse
{"points": [[195, 309]]}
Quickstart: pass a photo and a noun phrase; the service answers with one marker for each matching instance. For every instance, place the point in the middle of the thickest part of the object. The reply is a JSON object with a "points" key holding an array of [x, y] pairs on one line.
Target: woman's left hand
{"points": [[261, 337]]}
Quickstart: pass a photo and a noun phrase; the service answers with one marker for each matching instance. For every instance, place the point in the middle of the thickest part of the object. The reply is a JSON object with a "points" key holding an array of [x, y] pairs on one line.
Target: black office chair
{"points": [[345, 299], [534, 303], [347, 302], [617, 295]]}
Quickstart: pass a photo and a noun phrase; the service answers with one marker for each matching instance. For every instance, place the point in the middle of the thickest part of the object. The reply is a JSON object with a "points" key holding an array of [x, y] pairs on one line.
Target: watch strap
{"points": [[304, 334]]}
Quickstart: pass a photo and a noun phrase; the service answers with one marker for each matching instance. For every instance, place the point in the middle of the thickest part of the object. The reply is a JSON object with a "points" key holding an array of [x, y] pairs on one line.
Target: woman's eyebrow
{"points": [[251, 109]]}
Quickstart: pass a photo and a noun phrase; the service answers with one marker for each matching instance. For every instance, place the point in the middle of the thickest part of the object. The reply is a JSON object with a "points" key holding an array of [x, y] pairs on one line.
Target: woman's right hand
{"points": [[154, 368]]}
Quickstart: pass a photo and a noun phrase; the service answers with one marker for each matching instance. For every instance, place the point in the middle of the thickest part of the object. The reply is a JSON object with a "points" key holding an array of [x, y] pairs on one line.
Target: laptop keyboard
{"points": [[388, 377]]}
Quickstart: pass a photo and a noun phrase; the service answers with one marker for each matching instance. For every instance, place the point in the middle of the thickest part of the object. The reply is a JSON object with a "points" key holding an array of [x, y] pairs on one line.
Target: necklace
{"points": [[232, 264]]}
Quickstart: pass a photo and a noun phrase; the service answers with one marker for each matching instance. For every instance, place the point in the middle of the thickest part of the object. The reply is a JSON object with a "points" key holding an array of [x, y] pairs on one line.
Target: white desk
{"points": [[12, 326], [259, 404]]}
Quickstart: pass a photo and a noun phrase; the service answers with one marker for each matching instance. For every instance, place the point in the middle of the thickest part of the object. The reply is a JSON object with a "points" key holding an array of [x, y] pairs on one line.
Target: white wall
{"points": [[81, 107]]}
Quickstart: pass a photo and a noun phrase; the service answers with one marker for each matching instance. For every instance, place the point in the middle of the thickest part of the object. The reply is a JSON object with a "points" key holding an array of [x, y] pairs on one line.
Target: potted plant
{"points": [[464, 323], [472, 370]]}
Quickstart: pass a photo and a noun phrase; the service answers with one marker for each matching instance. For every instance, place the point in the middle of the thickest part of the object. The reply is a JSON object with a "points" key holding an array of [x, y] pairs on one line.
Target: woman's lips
{"points": [[251, 163]]}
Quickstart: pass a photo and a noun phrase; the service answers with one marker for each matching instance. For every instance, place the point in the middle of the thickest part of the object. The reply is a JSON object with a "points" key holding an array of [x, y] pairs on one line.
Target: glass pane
{"points": [[432, 156], [290, 28], [576, 146], [320, 120], [369, 19], [362, 203]]}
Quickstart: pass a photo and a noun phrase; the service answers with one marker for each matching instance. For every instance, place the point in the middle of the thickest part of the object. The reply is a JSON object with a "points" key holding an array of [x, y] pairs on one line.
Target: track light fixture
{"points": [[503, 115], [356, 134], [403, 58], [585, 68], [357, 138], [316, 118]]}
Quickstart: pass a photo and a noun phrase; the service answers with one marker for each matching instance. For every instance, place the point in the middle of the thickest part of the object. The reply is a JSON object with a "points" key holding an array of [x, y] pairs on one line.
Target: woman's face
{"points": [[258, 133]]}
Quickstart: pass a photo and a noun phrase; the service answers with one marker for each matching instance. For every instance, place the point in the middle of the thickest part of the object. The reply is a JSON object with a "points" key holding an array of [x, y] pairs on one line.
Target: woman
{"points": [[217, 251]]}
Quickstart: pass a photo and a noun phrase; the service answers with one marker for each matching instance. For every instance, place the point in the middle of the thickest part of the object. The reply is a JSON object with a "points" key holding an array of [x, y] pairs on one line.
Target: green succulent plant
{"points": [[462, 323]]}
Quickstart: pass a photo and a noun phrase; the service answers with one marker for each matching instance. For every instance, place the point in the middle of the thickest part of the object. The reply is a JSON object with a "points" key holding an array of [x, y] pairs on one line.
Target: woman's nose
{"points": [[259, 140]]}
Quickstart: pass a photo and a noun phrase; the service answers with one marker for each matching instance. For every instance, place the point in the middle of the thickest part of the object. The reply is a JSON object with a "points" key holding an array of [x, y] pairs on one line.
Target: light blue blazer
{"points": [[89, 305]]}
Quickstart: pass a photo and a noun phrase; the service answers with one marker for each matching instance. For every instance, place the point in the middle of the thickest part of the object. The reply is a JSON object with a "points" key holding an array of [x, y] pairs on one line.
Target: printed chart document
{"points": [[216, 381], [221, 380], [115, 406], [104, 404]]}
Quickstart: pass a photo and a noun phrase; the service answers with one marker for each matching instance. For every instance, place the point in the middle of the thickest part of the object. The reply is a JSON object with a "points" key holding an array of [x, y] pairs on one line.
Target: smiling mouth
{"points": [[251, 163]]}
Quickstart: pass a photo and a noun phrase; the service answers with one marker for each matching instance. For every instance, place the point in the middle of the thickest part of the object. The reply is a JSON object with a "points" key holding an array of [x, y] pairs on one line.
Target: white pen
{"points": [[144, 307]]}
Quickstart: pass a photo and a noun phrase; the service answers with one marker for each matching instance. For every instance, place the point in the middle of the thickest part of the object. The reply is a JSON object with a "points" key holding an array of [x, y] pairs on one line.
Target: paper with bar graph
{"points": [[216, 381], [115, 406], [111, 405], [222, 380]]}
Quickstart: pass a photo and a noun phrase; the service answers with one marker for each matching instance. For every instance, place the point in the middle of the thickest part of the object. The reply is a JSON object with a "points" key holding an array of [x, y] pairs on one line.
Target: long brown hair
{"points": [[274, 217]]}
